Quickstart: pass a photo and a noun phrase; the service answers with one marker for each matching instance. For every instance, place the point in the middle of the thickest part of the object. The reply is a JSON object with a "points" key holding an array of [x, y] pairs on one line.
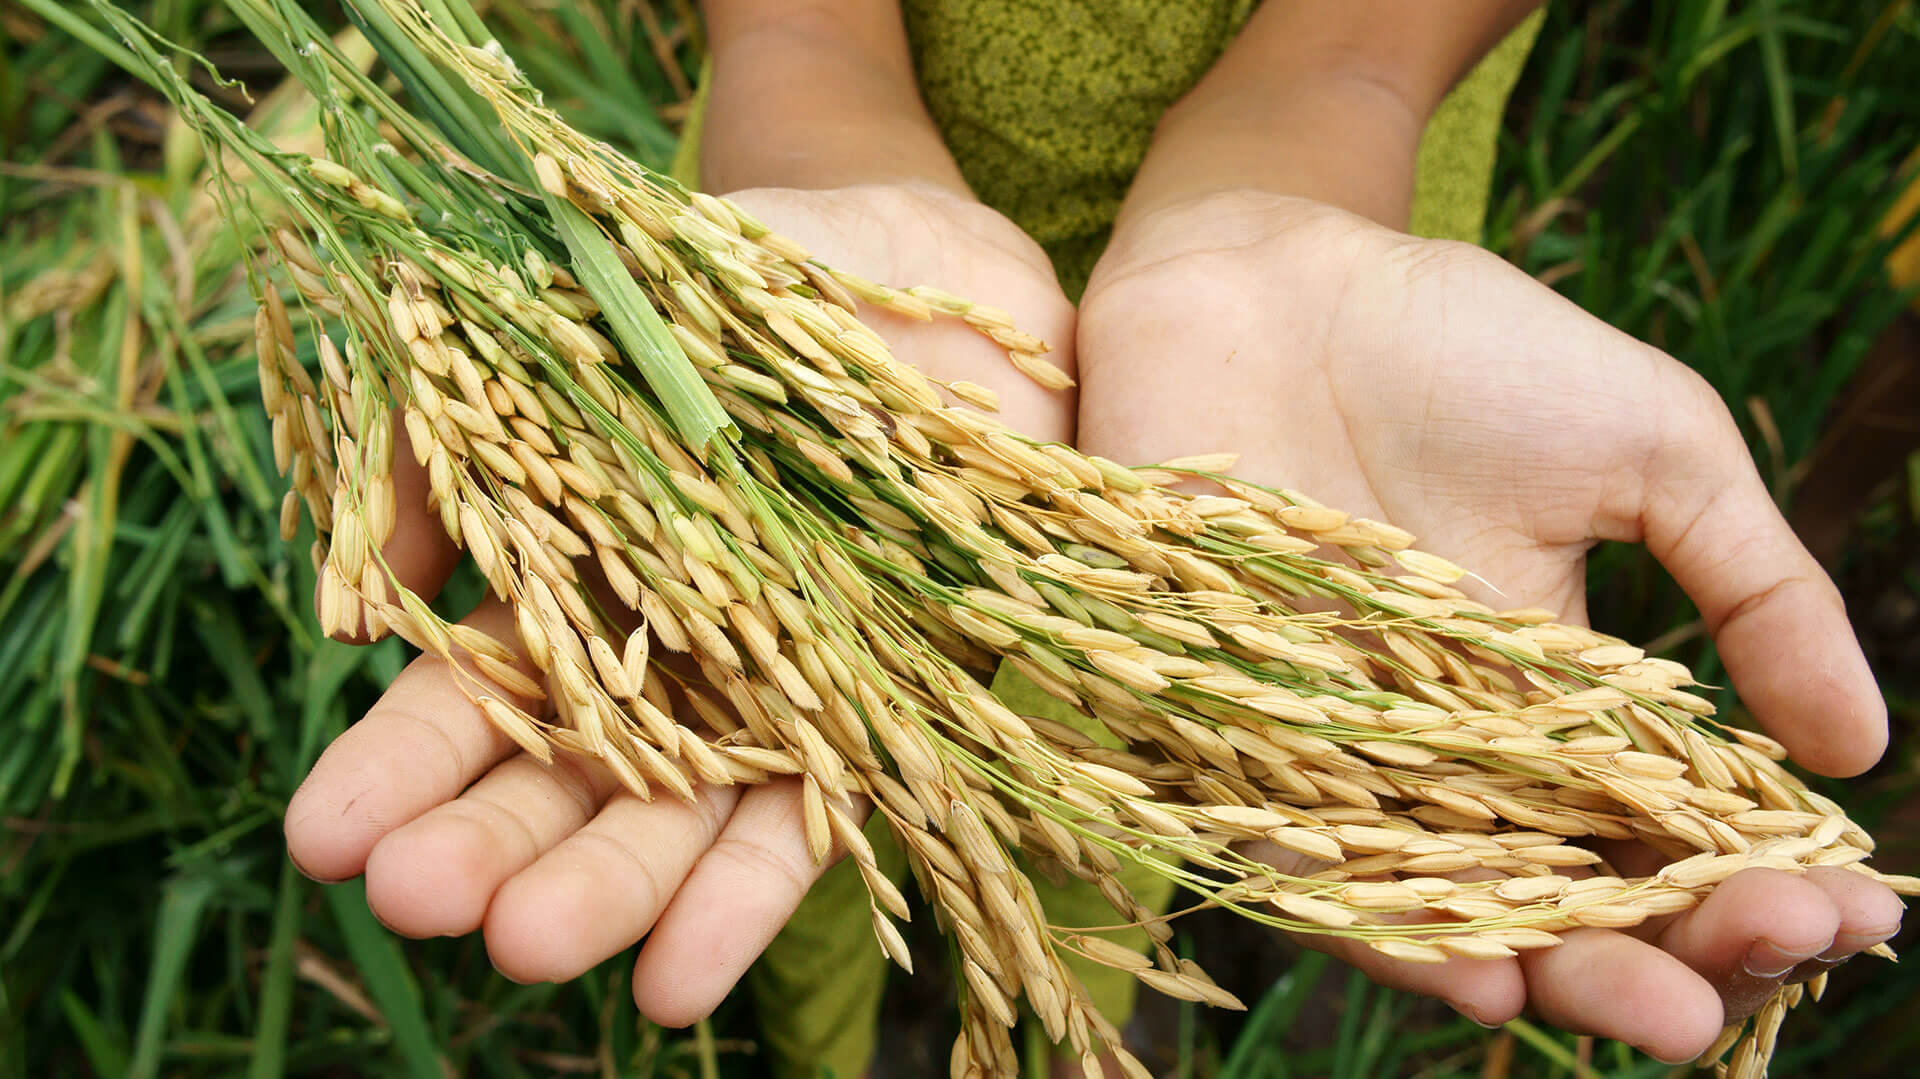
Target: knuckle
{"points": [[757, 864], [577, 780], [422, 743], [711, 809], [1701, 439], [498, 819], [1757, 600], [638, 874], [1422, 259]]}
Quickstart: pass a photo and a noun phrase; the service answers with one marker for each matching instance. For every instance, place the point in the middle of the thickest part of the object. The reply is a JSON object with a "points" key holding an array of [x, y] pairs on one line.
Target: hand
{"points": [[457, 832], [1434, 386]]}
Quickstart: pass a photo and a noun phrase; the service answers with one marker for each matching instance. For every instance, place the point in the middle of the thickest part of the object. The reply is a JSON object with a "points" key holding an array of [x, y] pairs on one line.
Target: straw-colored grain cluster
{"points": [[741, 540]]}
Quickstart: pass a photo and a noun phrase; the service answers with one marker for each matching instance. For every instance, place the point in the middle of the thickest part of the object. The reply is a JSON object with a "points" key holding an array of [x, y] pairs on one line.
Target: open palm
{"points": [[1434, 386], [560, 868]]}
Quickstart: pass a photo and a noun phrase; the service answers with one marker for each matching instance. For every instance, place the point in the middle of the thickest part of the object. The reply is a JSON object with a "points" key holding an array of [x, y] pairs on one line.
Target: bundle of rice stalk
{"points": [[741, 540]]}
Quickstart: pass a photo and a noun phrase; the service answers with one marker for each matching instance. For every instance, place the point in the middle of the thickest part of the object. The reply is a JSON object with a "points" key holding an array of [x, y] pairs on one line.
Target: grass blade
{"points": [[176, 929], [94, 1037], [1773, 60], [1275, 1013], [1546, 1045], [689, 404], [384, 969], [268, 1060]]}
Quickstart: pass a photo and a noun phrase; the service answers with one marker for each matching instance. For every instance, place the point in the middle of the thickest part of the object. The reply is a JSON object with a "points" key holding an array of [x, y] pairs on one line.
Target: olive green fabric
{"points": [[686, 154], [1454, 175], [817, 987], [1048, 106]]}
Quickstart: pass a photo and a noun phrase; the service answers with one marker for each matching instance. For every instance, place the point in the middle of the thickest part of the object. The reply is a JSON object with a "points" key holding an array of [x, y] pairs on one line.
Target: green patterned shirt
{"points": [[1048, 106]]}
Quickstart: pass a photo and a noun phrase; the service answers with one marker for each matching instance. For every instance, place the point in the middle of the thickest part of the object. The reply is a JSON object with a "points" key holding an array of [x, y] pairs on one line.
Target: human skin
{"points": [[455, 830], [815, 123], [1265, 302], [1435, 386]]}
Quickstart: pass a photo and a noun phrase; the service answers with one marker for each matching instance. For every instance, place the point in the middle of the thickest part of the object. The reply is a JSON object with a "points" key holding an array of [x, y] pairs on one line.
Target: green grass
{"points": [[1708, 178], [1734, 224], [163, 684], [1703, 175]]}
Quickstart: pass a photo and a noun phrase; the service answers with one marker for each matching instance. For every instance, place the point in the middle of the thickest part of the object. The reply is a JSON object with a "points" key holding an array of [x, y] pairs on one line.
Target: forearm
{"points": [[1324, 99], [816, 94]]}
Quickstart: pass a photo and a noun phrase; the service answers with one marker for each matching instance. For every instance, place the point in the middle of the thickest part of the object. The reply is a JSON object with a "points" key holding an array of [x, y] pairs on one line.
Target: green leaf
{"points": [[268, 1057], [1274, 1015], [454, 110], [389, 982], [218, 626], [696, 416], [60, 13], [1551, 1048], [176, 928], [95, 1039], [1773, 60], [328, 669]]}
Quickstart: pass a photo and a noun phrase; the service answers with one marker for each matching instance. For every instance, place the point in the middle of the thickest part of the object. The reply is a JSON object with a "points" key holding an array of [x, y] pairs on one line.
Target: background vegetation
{"points": [[1710, 177]]}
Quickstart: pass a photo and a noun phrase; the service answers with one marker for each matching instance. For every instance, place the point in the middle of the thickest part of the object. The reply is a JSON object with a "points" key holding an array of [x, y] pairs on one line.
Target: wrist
{"points": [[797, 102], [1329, 135], [1206, 241]]}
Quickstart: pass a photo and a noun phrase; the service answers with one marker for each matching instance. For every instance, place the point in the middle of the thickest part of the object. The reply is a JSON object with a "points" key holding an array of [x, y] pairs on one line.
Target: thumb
{"points": [[1777, 618]]}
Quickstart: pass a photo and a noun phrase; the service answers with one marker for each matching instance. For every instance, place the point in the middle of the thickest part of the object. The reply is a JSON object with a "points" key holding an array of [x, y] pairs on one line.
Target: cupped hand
{"points": [[457, 831], [1432, 385]]}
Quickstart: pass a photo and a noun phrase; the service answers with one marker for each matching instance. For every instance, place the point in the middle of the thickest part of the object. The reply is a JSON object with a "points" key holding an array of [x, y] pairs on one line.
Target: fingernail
{"points": [[1847, 944], [383, 921], [307, 873], [1477, 1021], [1768, 960]]}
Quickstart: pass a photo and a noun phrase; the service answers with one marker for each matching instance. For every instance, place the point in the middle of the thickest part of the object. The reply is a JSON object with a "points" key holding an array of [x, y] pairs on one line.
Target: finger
{"points": [[1607, 984], [1753, 929], [435, 875], [420, 745], [1869, 911], [729, 909], [419, 554], [1629, 857], [1487, 991], [1778, 620], [601, 888], [1870, 914]]}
